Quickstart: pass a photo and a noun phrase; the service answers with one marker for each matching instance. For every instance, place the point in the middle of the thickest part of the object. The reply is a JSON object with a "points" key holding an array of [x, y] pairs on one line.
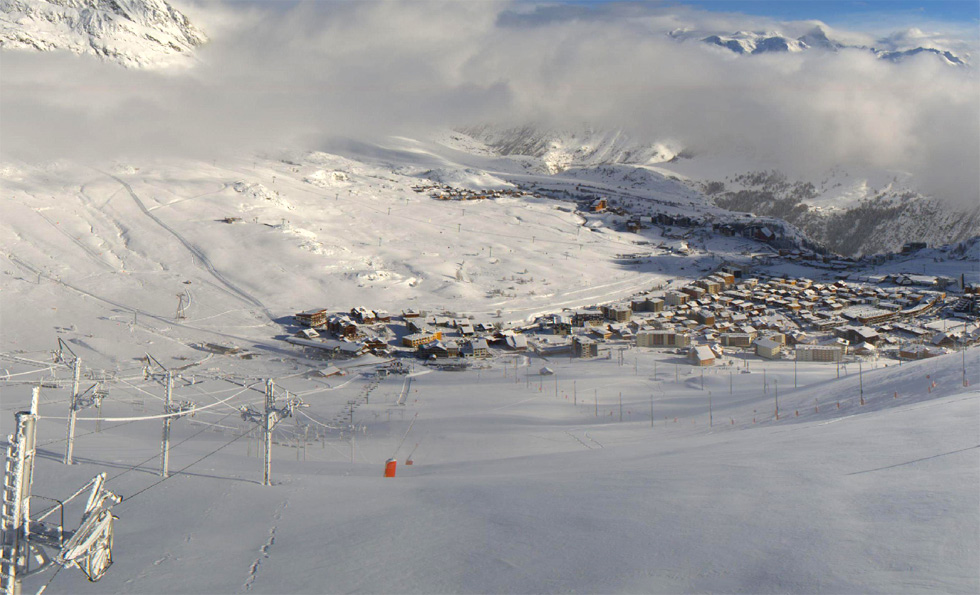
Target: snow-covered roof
{"points": [[517, 341], [702, 352]]}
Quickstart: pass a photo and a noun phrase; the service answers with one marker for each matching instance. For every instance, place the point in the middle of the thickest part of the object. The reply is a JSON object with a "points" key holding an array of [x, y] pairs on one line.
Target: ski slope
{"points": [[515, 489], [333, 230], [520, 482]]}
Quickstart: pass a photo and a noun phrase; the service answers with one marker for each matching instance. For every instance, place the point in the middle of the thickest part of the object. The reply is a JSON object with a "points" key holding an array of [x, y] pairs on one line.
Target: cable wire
{"points": [[185, 468], [149, 417], [156, 456]]}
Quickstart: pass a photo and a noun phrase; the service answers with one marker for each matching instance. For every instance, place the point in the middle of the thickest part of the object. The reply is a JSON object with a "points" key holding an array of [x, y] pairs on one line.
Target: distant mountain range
{"points": [[134, 33], [849, 214], [765, 42], [154, 34]]}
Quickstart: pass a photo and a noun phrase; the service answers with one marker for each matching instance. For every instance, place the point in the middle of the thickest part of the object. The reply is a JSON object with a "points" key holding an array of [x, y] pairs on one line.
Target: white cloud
{"points": [[293, 74]]}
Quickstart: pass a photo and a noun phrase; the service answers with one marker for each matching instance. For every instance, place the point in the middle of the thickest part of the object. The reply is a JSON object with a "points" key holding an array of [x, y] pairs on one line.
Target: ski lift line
{"points": [[77, 436], [131, 369], [44, 365], [210, 393], [128, 378], [241, 383], [155, 457], [36, 382], [45, 514], [185, 468], [149, 417], [342, 453], [200, 393], [146, 392], [319, 423], [8, 375], [20, 407], [211, 425], [45, 585], [325, 389], [234, 411], [405, 436], [288, 392]]}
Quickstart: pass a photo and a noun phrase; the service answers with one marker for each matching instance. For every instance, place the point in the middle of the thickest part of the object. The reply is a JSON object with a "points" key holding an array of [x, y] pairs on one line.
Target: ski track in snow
{"points": [[919, 460], [257, 343], [579, 440], [241, 293], [96, 257]]}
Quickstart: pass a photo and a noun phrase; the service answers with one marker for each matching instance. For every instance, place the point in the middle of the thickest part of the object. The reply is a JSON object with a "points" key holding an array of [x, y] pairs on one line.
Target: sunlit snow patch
{"points": [[257, 191]]}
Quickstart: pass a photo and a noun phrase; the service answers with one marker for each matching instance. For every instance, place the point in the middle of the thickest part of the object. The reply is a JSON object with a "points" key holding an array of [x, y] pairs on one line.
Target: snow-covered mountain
{"points": [[561, 149], [850, 211], [745, 42], [134, 33], [894, 48], [848, 214], [899, 55]]}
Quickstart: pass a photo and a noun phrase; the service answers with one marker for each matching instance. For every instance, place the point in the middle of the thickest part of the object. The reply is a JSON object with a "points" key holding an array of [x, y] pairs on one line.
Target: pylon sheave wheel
{"points": [[99, 558]]}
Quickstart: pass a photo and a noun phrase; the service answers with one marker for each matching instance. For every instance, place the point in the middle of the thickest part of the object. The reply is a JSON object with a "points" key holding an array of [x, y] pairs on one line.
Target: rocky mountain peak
{"points": [[133, 33]]}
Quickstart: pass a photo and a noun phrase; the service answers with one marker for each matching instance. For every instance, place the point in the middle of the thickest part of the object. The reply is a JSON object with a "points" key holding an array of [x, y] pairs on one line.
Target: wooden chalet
{"points": [[312, 318]]}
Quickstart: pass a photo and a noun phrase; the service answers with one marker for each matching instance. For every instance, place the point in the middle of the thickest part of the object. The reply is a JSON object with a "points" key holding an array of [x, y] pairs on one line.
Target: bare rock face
{"points": [[133, 33]]}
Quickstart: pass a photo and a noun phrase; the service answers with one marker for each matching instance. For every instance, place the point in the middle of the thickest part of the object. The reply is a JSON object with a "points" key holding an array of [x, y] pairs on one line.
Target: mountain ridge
{"points": [[132, 33], [894, 48], [887, 209]]}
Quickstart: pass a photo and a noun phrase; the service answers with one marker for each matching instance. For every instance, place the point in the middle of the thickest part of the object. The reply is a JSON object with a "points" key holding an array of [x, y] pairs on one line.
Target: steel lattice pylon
{"points": [[24, 540]]}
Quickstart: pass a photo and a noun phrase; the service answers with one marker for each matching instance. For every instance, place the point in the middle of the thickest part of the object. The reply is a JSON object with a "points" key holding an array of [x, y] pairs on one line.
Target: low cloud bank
{"points": [[293, 75]]}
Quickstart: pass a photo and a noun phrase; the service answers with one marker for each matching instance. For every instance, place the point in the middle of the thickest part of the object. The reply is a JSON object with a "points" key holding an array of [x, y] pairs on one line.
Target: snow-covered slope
{"points": [[850, 214], [519, 482], [849, 210], [523, 483], [333, 229], [134, 33]]}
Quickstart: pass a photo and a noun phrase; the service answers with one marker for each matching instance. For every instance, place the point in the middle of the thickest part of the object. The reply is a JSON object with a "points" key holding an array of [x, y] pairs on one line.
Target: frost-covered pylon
{"points": [[268, 420], [25, 541]]}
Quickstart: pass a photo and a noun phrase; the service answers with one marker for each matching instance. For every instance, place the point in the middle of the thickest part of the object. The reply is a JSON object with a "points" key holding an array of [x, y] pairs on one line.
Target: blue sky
{"points": [[887, 13], [841, 12]]}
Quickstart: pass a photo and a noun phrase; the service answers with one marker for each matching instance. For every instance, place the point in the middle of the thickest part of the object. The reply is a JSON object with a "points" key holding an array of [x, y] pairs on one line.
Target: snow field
{"points": [[515, 487], [516, 490], [75, 235]]}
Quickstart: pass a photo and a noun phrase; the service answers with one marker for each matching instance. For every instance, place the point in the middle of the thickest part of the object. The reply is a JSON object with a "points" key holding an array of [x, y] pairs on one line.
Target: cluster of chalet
{"points": [[717, 314], [775, 318], [447, 192], [363, 331], [435, 337], [347, 334]]}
